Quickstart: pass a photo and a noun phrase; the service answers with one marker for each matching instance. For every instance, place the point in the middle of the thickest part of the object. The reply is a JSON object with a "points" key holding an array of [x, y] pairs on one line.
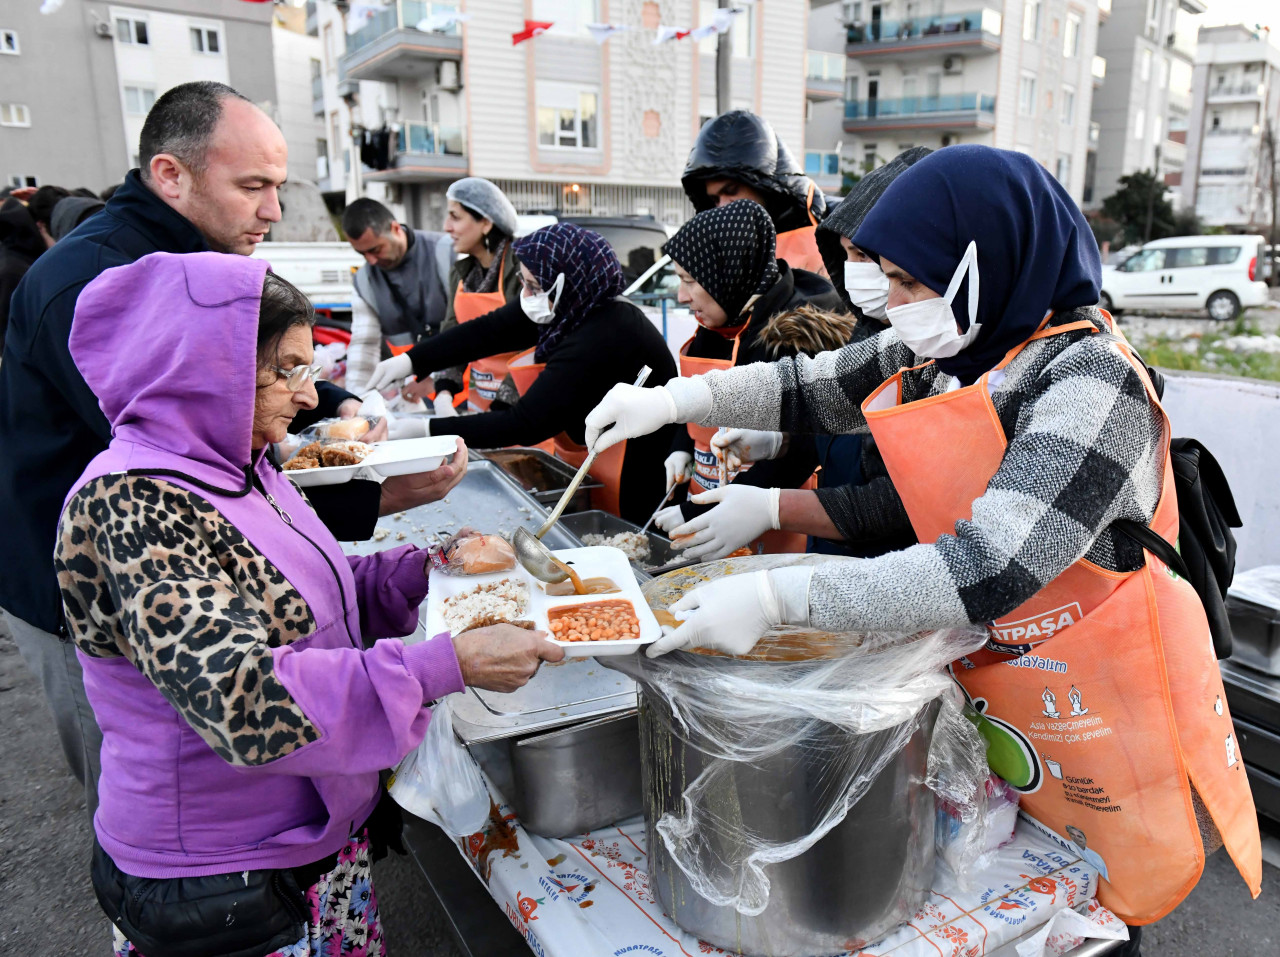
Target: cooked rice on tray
{"points": [[495, 602], [633, 544]]}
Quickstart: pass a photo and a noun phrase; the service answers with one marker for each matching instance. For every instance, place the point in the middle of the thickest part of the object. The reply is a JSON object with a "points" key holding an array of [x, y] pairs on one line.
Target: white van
{"points": [[1219, 274]]}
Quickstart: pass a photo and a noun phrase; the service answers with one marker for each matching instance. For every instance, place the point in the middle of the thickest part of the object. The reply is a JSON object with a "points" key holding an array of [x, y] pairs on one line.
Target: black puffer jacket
{"points": [[742, 146], [20, 245]]}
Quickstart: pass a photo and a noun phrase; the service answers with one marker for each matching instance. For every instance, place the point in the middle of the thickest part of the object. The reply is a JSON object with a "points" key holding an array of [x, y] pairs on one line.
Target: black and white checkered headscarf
{"points": [[730, 251]]}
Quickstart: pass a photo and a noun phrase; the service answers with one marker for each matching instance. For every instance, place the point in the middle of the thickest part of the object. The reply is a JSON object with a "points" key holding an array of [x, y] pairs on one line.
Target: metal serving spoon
{"points": [[533, 555]]}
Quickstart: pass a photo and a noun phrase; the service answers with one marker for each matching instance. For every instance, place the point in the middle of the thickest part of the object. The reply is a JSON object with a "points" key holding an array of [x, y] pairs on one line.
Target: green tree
{"points": [[1140, 207]]}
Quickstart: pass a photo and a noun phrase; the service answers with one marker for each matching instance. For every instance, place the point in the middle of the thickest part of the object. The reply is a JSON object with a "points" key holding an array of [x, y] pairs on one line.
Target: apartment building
{"points": [[1142, 111], [560, 122], [1235, 98], [825, 155], [76, 84], [1015, 74]]}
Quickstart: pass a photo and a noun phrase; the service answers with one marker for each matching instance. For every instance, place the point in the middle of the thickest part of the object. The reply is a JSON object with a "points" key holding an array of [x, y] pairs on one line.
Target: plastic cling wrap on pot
{"points": [[439, 780], [840, 706]]}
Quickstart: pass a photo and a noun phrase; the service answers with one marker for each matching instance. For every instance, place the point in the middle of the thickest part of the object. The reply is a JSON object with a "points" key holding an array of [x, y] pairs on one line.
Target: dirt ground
{"points": [[47, 908]]}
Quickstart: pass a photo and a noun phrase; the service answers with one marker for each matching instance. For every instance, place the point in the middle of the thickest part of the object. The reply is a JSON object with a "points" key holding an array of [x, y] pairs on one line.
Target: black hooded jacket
{"points": [[50, 423], [20, 245], [741, 146]]}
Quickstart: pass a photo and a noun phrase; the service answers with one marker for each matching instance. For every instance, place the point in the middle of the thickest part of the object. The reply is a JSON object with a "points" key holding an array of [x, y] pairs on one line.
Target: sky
{"points": [[1248, 12]]}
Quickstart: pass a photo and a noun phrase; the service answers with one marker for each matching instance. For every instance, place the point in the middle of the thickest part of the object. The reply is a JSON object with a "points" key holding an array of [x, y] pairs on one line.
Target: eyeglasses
{"points": [[298, 376]]}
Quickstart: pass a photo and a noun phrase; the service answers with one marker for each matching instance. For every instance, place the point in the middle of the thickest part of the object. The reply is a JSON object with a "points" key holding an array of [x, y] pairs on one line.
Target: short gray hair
{"points": [[182, 122]]}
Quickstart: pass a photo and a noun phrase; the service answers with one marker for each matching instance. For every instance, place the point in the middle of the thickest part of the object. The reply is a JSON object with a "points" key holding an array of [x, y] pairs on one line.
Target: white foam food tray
{"points": [[393, 457], [597, 561]]}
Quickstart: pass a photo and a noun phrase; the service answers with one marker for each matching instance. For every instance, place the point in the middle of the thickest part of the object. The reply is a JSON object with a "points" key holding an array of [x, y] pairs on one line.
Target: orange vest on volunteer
{"points": [[1100, 696]]}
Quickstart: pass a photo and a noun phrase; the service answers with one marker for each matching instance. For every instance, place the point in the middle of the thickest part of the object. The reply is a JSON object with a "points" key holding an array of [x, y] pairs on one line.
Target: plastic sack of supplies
{"points": [[813, 738], [469, 552], [439, 781]]}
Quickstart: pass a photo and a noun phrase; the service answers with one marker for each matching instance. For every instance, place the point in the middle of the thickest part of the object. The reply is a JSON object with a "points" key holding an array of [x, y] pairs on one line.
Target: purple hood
{"points": [[168, 345]]}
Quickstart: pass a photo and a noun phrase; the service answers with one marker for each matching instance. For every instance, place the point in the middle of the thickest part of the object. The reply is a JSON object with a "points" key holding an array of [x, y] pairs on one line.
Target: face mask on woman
{"points": [[868, 287], [928, 327], [539, 307]]}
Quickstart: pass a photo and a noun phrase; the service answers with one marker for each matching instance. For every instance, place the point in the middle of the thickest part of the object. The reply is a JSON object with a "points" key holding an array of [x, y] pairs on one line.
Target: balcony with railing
{"points": [[1236, 92], [424, 152], [975, 32], [824, 75], [399, 38], [953, 112], [823, 167]]}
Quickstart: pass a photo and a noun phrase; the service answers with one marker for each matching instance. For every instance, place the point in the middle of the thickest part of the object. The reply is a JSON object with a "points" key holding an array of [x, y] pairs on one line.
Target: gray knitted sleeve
{"points": [[1086, 449], [819, 394]]}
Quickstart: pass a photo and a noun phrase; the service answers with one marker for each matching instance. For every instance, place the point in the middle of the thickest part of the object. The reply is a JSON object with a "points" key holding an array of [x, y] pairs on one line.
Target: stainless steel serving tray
{"points": [[596, 522], [485, 499], [569, 692], [545, 479]]}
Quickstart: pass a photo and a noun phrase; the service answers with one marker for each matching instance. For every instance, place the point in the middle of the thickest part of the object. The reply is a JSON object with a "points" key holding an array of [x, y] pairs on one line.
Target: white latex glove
{"points": [[669, 518], [627, 412], [444, 404], [679, 466], [739, 446], [408, 427], [733, 613], [390, 372], [742, 514]]}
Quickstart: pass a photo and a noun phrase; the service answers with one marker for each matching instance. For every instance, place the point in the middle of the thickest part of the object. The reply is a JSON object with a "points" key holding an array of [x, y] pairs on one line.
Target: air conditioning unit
{"points": [[102, 29], [953, 65], [447, 76]]}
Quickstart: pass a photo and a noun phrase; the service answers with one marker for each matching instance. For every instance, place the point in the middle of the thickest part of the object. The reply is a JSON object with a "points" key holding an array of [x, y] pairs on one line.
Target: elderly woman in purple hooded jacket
{"points": [[225, 639]]}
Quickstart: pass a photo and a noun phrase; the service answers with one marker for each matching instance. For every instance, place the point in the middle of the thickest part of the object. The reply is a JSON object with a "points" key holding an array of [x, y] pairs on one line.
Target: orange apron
{"points": [[483, 375], [799, 247], [1102, 691], [607, 468], [706, 467]]}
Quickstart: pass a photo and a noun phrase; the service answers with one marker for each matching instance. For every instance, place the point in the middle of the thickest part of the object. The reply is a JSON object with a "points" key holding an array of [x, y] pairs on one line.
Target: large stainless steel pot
{"points": [[868, 874]]}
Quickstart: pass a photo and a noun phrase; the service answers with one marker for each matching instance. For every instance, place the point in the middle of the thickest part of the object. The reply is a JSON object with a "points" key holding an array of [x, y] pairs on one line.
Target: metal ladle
{"points": [[533, 555]]}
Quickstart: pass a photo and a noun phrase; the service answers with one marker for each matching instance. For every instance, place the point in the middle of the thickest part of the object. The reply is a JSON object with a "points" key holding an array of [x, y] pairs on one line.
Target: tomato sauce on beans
{"points": [[595, 621]]}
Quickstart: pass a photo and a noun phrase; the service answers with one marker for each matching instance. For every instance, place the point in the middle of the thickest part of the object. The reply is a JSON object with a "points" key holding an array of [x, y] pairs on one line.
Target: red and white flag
{"points": [[603, 31], [666, 34], [532, 28]]}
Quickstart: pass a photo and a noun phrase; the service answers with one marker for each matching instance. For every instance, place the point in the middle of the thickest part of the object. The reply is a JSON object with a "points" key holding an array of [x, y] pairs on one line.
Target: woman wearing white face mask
{"points": [[735, 287], [854, 510], [1020, 431], [571, 338]]}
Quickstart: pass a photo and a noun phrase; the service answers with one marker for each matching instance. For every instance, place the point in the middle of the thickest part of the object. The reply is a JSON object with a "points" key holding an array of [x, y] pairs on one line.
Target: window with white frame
{"points": [[1063, 171], [1144, 66], [9, 42], [206, 40], [1031, 19], [1164, 72], [1071, 36], [1157, 129], [1027, 94], [869, 157], [1068, 105], [18, 181], [138, 100], [1140, 123], [14, 114], [569, 16], [132, 30], [568, 117]]}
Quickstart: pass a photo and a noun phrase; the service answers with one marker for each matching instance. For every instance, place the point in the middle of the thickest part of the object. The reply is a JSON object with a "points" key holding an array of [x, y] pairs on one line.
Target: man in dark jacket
{"points": [[737, 156], [20, 245], [211, 165]]}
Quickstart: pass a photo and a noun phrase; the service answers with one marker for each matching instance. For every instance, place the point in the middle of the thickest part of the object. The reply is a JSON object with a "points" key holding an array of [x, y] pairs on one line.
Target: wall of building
{"points": [[76, 137], [293, 53]]}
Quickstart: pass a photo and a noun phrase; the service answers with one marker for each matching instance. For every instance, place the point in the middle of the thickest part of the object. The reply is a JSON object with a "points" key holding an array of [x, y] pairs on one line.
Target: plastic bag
{"points": [[440, 782], [468, 552], [844, 704], [339, 430]]}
